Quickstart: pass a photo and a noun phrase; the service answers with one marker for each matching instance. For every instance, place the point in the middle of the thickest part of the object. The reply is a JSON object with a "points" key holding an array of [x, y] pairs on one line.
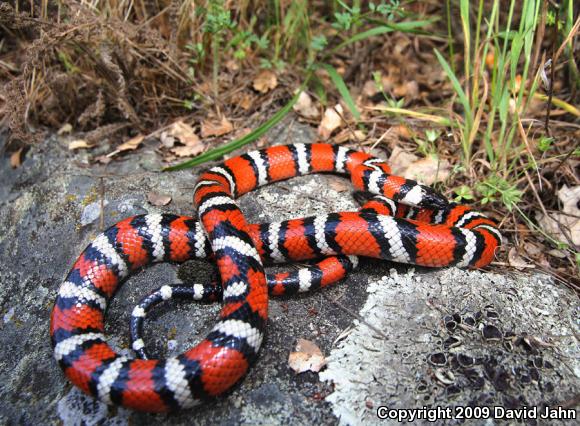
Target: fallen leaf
{"points": [[240, 133], [79, 144], [184, 133], [246, 101], [560, 254], [307, 357], [330, 122], [265, 81], [565, 224], [103, 159], [349, 135], [400, 160], [157, 199], [232, 65], [66, 128], [427, 170], [304, 106], [516, 260], [388, 82], [570, 197], [533, 249], [402, 131], [409, 90], [187, 151], [209, 128], [130, 145], [370, 89], [16, 158]]}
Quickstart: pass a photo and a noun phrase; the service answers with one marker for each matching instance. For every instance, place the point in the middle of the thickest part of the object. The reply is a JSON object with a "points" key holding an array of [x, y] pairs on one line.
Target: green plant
{"points": [[197, 53], [217, 20], [463, 192], [427, 145], [388, 10], [503, 95], [67, 62], [294, 31], [545, 143], [391, 102], [494, 188]]}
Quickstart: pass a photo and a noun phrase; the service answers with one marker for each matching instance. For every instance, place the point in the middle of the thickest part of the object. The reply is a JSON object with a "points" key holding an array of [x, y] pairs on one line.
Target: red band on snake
{"points": [[431, 232]]}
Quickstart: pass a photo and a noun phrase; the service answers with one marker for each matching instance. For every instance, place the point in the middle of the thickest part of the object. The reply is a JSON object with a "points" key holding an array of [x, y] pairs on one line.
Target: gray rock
{"points": [[411, 361]]}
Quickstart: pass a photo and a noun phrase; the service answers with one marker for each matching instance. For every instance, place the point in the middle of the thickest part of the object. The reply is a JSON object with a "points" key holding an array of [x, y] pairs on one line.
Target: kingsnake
{"points": [[432, 232]]}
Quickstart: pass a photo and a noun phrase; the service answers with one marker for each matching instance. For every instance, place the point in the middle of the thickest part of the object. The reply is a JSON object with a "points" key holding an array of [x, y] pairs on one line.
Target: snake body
{"points": [[406, 222]]}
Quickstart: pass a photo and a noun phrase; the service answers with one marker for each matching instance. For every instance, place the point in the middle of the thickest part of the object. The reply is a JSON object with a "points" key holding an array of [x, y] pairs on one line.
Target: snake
{"points": [[404, 222]]}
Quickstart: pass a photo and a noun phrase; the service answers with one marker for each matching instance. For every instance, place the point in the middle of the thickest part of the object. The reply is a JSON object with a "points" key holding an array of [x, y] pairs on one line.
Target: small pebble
{"points": [[9, 315]]}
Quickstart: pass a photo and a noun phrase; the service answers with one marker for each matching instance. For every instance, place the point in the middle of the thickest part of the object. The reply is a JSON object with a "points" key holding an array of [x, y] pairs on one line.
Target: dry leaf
{"points": [[307, 357], [400, 160], [516, 260], [232, 65], [246, 101], [16, 158], [157, 199], [533, 249], [349, 135], [187, 151], [409, 90], [560, 254], [388, 82], [402, 131], [184, 133], [66, 128], [130, 145], [103, 159], [339, 185], [304, 107], [78, 144], [209, 128], [370, 89], [427, 170], [265, 81], [330, 122], [566, 224]]}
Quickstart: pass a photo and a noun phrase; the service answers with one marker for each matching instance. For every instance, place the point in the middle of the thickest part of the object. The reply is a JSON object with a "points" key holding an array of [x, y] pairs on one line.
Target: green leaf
{"points": [[464, 192], [318, 42], [342, 89]]}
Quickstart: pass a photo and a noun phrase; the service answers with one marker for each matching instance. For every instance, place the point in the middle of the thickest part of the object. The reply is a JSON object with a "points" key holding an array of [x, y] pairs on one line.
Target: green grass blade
{"points": [[412, 27], [385, 27], [456, 86], [342, 89], [464, 12], [219, 152], [362, 36]]}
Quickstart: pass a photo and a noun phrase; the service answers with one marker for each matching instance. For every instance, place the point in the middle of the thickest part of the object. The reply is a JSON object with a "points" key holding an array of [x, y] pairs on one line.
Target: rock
{"points": [[41, 234]]}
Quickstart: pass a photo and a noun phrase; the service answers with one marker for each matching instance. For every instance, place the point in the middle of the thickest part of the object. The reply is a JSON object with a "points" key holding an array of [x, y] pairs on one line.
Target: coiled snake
{"points": [[405, 222]]}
